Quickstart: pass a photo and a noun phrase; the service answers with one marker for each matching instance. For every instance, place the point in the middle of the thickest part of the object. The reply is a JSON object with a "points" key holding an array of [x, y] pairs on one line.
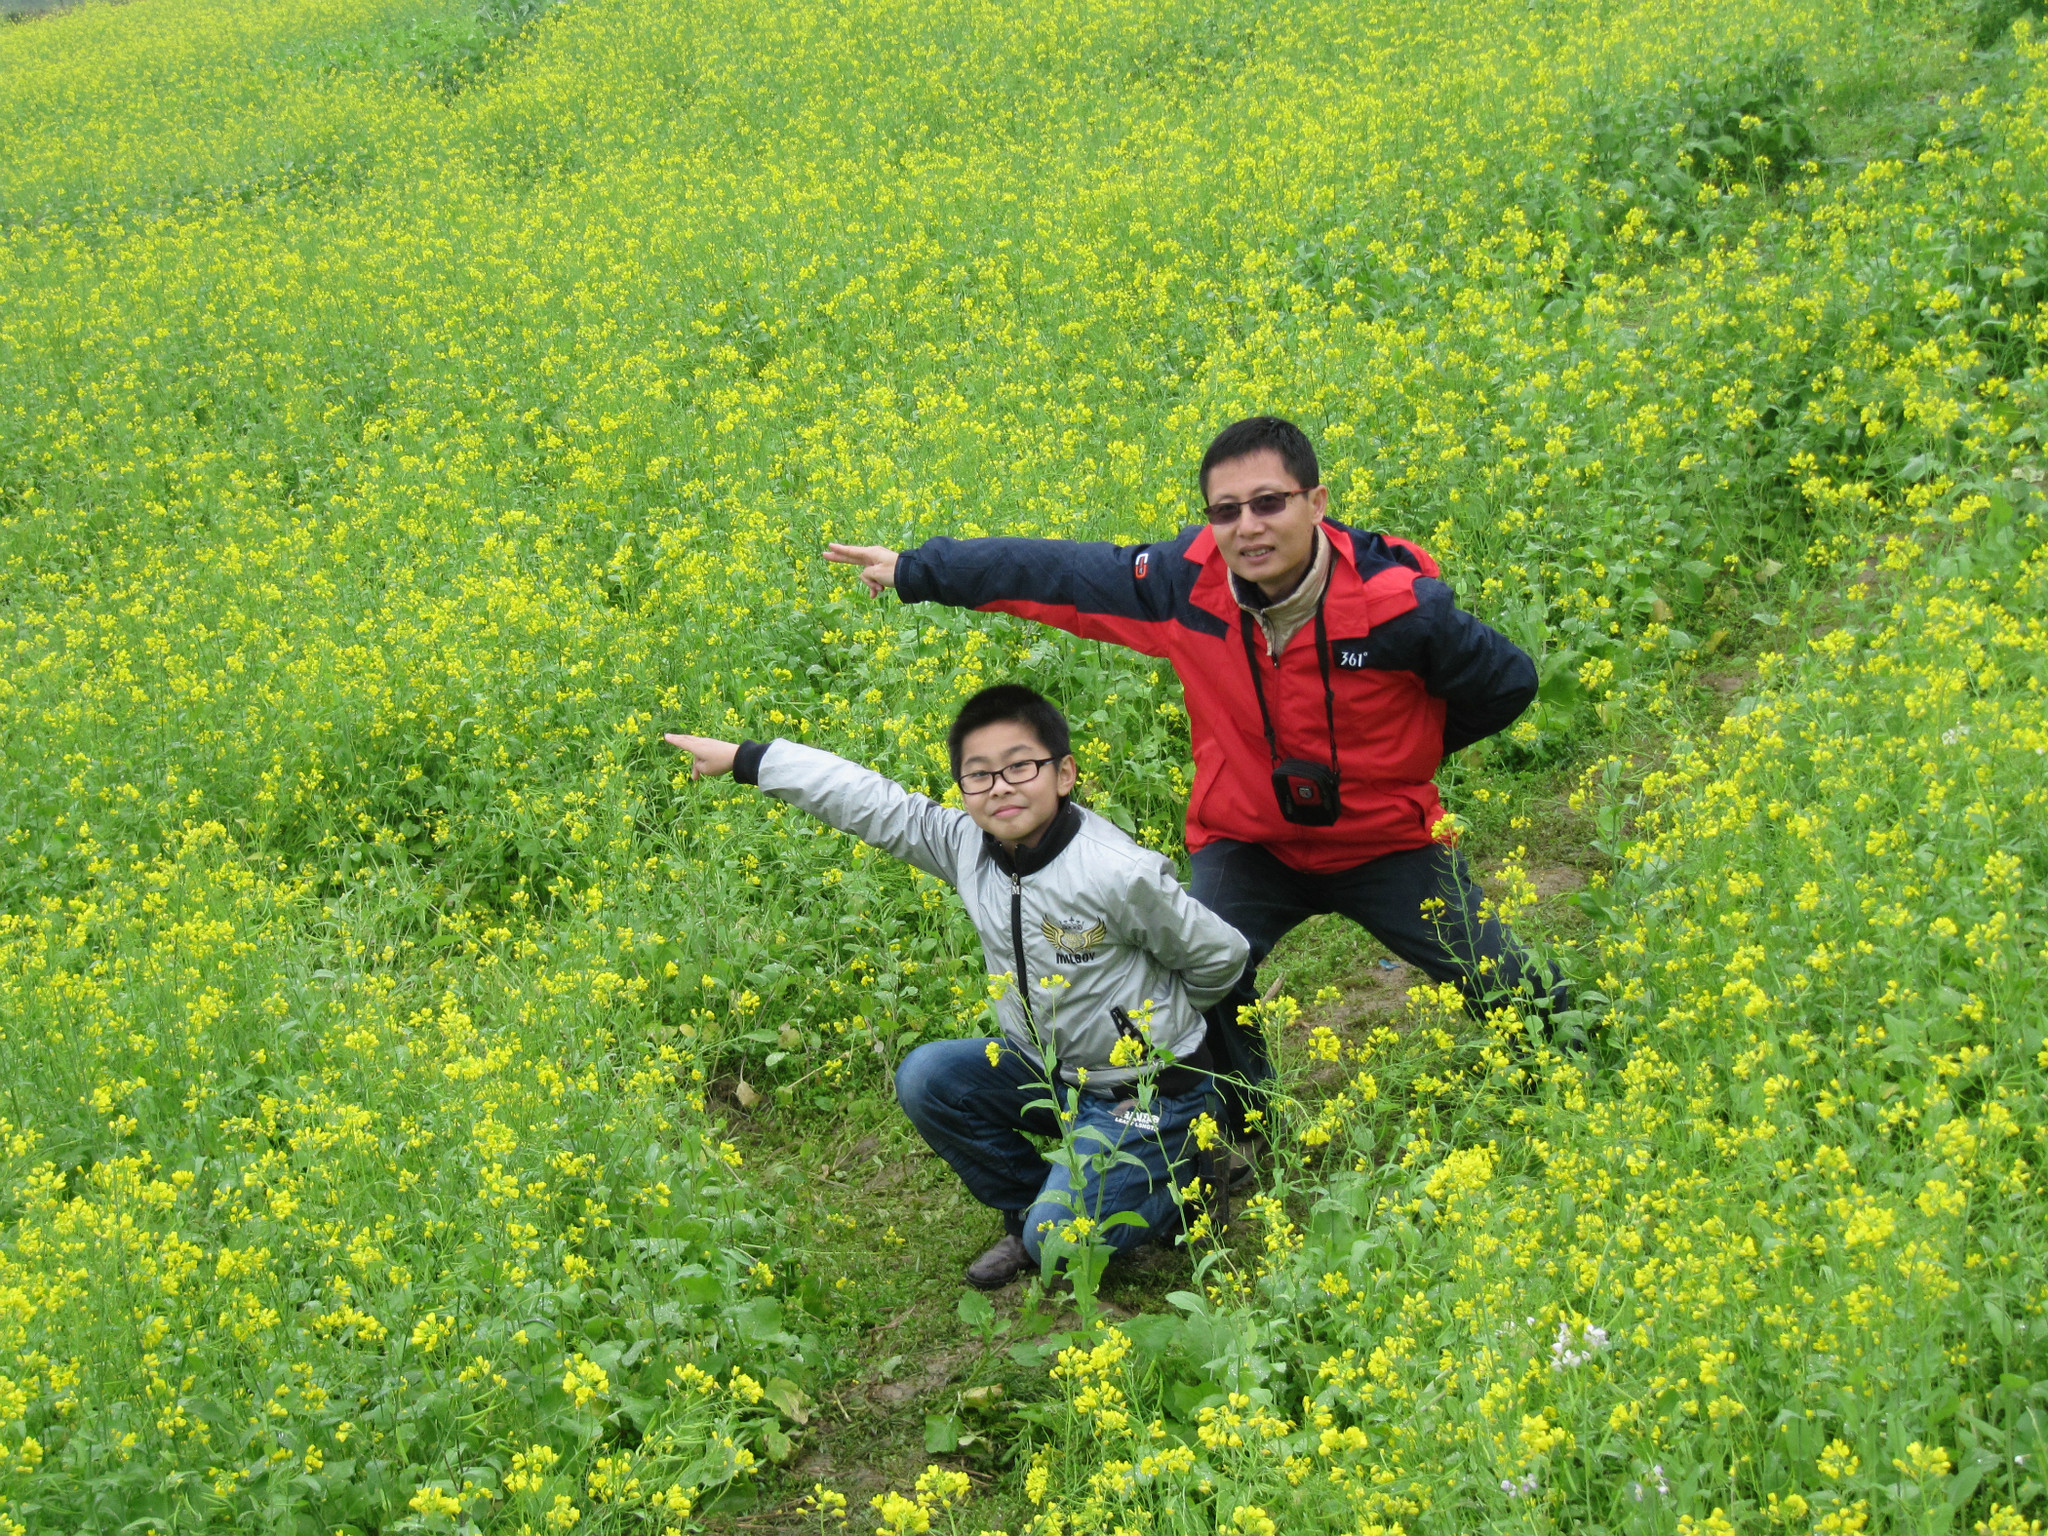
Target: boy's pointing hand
{"points": [[878, 564], [709, 757]]}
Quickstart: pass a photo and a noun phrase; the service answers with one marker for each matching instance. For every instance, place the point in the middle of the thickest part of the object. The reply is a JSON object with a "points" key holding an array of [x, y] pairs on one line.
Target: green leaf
{"points": [[1153, 1333], [2001, 1325], [941, 1433], [734, 1499], [789, 1397], [976, 1310], [702, 1289], [759, 1321], [642, 1410]]}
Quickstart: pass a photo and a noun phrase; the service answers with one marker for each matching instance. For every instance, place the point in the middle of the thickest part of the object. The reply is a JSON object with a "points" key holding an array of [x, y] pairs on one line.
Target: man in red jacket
{"points": [[1327, 673]]}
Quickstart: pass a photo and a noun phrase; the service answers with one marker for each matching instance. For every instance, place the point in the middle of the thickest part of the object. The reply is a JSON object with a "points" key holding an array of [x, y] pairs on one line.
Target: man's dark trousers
{"points": [[1392, 899]]}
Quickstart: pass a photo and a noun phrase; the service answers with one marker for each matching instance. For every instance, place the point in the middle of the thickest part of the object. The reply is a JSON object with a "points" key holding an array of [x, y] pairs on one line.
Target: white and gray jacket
{"points": [[1104, 920]]}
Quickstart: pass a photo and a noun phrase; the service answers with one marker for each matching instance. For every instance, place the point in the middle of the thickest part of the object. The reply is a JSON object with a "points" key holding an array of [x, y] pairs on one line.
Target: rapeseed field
{"points": [[406, 413]]}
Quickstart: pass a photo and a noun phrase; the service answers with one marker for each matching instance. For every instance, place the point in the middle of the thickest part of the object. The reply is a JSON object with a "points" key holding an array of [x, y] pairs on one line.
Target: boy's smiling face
{"points": [[1013, 814]]}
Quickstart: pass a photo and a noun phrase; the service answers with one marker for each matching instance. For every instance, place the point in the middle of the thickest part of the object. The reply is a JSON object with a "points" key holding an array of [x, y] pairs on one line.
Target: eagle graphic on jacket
{"points": [[1074, 944]]}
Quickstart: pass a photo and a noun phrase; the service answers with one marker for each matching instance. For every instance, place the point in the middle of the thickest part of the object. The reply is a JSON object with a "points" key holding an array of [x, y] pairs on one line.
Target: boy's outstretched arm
{"points": [[709, 757], [871, 807]]}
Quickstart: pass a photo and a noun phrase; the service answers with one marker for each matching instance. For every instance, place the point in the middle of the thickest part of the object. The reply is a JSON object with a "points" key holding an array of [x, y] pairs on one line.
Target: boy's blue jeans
{"points": [[973, 1115]]}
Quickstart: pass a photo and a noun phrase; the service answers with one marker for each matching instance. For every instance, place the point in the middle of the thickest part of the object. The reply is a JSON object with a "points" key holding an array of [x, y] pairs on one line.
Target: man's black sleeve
{"points": [[1097, 591], [1484, 678]]}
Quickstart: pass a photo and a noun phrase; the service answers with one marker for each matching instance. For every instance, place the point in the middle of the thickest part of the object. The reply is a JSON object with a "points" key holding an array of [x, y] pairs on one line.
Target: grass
{"points": [[400, 424]]}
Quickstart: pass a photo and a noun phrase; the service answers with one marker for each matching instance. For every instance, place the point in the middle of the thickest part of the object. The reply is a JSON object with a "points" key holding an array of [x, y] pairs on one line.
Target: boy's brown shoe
{"points": [[999, 1266]]}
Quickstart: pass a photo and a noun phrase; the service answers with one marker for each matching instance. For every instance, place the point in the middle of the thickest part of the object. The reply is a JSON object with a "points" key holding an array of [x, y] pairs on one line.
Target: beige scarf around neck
{"points": [[1281, 621]]}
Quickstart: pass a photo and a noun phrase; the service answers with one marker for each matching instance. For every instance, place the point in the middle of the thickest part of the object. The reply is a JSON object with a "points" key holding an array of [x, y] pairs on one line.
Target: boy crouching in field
{"points": [[1056, 893]]}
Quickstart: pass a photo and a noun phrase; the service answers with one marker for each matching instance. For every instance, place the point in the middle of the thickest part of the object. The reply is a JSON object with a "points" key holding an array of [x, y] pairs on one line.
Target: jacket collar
{"points": [[1280, 621], [1066, 824], [1212, 592]]}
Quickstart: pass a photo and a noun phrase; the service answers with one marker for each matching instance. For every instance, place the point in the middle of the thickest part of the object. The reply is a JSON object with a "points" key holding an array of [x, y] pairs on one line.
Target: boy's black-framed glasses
{"points": [[1023, 771], [1265, 504]]}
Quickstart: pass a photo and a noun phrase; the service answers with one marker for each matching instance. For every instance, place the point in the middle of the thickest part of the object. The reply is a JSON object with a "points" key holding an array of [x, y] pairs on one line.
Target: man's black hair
{"points": [[1256, 433], [1009, 701]]}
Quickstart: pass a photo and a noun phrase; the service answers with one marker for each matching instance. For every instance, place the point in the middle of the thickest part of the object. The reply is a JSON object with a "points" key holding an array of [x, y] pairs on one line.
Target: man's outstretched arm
{"points": [[1098, 591], [877, 563]]}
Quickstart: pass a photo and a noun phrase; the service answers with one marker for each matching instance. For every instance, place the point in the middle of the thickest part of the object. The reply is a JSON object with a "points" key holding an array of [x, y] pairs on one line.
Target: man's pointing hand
{"points": [[877, 565]]}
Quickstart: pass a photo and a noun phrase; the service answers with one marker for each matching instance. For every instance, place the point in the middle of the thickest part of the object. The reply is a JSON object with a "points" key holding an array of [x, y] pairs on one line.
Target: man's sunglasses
{"points": [[1265, 504]]}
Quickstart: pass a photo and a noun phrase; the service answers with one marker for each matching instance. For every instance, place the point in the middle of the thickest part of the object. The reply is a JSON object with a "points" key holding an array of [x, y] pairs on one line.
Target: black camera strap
{"points": [[1251, 657]]}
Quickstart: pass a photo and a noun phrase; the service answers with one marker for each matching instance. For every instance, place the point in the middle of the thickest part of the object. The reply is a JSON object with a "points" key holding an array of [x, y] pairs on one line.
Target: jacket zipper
{"points": [[1017, 949]]}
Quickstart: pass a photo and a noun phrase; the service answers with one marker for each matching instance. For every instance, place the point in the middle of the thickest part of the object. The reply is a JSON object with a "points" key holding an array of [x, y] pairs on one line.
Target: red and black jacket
{"points": [[1415, 677]]}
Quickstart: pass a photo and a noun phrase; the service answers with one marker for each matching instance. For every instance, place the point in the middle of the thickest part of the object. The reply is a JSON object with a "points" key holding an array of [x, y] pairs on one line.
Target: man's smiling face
{"points": [[1272, 553]]}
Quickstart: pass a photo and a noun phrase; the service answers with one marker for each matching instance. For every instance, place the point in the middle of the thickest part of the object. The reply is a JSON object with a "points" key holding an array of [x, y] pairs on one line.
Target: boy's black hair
{"points": [[1255, 433], [1009, 701]]}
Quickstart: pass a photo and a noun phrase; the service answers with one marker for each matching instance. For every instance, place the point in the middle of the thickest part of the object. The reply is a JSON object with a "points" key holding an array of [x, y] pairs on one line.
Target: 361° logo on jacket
{"points": [[1073, 943], [1349, 655]]}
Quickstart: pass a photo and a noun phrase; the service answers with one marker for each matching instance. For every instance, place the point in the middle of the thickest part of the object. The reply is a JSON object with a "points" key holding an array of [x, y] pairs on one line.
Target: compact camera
{"points": [[1307, 793]]}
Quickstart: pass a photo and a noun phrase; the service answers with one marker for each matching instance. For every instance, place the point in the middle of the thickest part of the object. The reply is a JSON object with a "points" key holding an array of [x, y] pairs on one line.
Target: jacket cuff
{"points": [[912, 586], [746, 763]]}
